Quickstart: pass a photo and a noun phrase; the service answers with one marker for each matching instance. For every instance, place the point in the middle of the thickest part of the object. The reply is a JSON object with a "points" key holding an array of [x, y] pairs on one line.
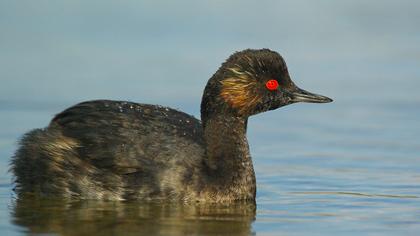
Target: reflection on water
{"points": [[131, 218]]}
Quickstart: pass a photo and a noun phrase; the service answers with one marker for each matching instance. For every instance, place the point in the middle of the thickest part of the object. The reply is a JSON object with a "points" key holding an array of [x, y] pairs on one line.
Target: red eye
{"points": [[272, 84]]}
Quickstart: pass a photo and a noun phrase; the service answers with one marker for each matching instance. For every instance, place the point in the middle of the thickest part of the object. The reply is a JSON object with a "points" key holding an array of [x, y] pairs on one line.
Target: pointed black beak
{"points": [[301, 95]]}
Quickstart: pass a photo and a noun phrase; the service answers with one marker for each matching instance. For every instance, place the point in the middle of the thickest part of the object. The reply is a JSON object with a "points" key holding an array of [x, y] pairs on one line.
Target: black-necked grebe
{"points": [[122, 150]]}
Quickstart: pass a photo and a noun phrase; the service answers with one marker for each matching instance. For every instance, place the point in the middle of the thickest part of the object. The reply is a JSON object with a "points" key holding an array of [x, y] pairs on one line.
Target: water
{"points": [[347, 168]]}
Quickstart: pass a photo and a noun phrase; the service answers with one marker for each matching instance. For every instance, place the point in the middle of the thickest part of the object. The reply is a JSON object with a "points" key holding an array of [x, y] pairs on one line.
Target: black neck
{"points": [[228, 159]]}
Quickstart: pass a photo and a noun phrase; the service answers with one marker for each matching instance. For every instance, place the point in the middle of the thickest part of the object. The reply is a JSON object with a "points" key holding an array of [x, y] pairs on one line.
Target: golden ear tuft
{"points": [[240, 91]]}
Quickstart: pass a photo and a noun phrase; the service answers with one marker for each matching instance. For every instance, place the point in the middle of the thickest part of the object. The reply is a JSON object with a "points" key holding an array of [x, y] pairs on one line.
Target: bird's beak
{"points": [[300, 95]]}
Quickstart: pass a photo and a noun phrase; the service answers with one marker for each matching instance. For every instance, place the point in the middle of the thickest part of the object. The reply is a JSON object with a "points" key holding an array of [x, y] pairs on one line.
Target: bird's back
{"points": [[112, 149]]}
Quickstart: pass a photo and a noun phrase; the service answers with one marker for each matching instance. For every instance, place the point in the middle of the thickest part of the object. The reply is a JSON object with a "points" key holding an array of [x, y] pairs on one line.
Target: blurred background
{"points": [[349, 167]]}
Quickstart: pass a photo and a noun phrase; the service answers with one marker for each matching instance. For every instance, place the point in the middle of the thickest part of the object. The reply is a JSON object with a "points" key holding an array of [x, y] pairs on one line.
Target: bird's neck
{"points": [[228, 159]]}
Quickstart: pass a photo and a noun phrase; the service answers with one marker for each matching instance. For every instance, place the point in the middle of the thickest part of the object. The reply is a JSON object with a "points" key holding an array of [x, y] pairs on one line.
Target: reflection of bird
{"points": [[60, 217], [122, 150]]}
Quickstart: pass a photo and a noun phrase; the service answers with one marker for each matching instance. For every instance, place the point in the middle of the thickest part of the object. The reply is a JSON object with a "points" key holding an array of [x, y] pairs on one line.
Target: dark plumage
{"points": [[122, 150]]}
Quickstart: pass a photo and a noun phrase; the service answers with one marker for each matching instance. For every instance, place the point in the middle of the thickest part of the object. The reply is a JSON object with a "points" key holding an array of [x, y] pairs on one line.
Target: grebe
{"points": [[116, 150]]}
